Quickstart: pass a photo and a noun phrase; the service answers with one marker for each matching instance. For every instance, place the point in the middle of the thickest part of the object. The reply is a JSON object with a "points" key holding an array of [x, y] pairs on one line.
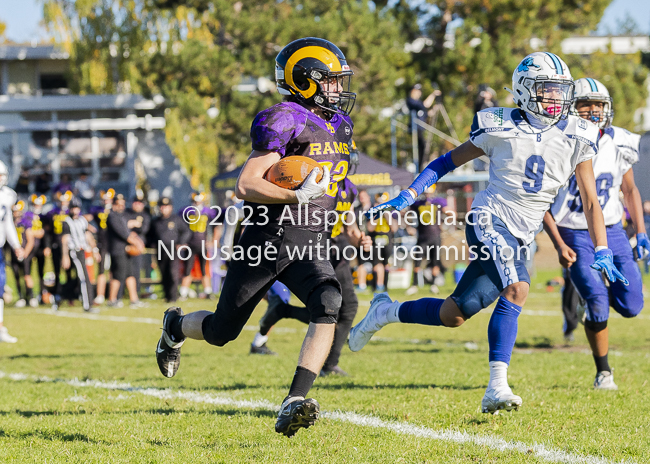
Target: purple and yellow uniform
{"points": [[290, 130]]}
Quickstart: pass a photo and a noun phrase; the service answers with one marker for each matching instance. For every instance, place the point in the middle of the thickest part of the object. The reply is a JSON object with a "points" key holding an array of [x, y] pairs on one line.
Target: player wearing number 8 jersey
{"points": [[314, 76], [618, 150], [533, 151]]}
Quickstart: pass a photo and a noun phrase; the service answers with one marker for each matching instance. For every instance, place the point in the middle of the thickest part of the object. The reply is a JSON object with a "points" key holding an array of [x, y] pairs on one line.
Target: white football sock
{"points": [[2, 310], [184, 291], [260, 340], [498, 375], [208, 290]]}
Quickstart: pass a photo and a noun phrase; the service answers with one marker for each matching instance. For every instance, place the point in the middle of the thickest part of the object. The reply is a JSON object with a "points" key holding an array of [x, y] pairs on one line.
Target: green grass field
{"points": [[415, 394]]}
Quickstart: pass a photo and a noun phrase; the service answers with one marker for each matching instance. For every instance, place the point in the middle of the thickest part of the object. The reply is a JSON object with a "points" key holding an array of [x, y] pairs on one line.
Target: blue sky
{"points": [[23, 16]]}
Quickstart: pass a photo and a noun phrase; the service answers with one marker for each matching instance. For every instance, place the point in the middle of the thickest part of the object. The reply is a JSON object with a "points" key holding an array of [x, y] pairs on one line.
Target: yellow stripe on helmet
{"points": [[320, 53]]}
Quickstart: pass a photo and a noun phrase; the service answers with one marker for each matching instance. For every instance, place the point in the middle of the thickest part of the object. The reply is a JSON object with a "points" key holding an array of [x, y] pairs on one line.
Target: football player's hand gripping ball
{"points": [[310, 189]]}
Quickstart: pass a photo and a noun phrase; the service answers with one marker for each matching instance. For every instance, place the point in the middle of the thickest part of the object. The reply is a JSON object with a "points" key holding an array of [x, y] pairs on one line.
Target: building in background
{"points": [[47, 133]]}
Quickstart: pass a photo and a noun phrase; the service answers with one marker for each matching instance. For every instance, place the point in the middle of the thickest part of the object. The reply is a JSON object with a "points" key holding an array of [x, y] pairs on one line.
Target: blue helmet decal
{"points": [[592, 84], [526, 63], [556, 62]]}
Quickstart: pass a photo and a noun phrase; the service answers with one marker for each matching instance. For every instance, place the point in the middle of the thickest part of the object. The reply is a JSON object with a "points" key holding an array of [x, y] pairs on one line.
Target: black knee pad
{"points": [[596, 326], [324, 304]]}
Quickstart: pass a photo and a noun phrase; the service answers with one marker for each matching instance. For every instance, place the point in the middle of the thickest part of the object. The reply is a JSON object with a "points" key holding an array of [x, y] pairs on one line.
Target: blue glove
{"points": [[604, 262], [642, 246], [401, 201]]}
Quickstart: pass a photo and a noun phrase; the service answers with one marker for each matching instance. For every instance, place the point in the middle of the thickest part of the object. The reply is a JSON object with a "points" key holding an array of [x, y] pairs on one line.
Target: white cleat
{"points": [[375, 319], [502, 399], [5, 337], [605, 381], [20, 303], [33, 302]]}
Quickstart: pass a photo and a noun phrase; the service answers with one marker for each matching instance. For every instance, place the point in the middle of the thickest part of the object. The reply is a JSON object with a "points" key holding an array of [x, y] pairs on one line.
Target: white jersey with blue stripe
{"points": [[7, 228], [529, 163], [618, 150]]}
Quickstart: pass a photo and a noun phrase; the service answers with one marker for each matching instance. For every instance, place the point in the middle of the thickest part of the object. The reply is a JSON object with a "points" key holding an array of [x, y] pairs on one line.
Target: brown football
{"points": [[132, 250], [291, 171]]}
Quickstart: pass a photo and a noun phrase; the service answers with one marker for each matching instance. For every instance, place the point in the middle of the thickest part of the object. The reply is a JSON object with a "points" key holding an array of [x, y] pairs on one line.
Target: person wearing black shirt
{"points": [[421, 110], [171, 231], [119, 236], [138, 221]]}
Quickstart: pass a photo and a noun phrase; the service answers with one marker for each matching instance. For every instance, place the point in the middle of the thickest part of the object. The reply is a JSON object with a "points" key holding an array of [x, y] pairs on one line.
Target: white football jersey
{"points": [[528, 165], [618, 150], [7, 228]]}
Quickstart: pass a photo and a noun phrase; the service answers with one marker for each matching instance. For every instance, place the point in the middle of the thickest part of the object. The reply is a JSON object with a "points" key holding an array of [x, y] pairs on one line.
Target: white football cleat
{"points": [[5, 337], [497, 399], [20, 303], [33, 302], [605, 381], [375, 319]]}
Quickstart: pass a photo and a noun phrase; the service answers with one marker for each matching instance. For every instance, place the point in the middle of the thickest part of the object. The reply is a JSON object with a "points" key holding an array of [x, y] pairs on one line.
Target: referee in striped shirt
{"points": [[76, 241]]}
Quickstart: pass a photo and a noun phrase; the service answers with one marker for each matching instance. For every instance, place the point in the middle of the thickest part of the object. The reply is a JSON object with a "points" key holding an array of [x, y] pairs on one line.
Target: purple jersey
{"points": [[430, 217], [198, 226], [291, 129]]}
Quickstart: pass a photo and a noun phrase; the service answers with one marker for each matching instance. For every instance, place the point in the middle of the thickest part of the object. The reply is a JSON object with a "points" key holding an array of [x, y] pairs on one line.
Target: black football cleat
{"points": [[296, 413], [335, 370], [168, 351], [265, 350]]}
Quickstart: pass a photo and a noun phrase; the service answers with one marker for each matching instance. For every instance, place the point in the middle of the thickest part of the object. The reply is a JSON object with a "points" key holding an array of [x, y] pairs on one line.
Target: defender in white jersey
{"points": [[7, 234], [618, 151], [533, 151]]}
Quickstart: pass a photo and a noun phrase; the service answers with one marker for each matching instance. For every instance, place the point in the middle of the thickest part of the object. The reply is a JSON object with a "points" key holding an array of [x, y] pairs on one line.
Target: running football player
{"points": [[618, 150], [313, 121], [345, 236], [7, 234], [533, 150]]}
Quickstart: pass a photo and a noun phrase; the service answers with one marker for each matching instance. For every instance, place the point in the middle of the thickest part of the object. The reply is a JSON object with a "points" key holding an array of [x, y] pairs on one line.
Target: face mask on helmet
{"points": [[592, 102], [553, 98]]}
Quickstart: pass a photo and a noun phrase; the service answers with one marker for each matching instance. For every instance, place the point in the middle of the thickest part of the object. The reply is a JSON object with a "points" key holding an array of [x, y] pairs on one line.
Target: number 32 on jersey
{"points": [[337, 174]]}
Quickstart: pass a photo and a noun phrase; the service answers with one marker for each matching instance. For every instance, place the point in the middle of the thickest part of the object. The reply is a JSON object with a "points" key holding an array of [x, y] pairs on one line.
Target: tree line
{"points": [[198, 53]]}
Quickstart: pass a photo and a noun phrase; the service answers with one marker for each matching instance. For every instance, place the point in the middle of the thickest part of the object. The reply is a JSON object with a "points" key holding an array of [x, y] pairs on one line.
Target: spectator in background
{"points": [[486, 98], [99, 215], [119, 236], [171, 231], [382, 232], [365, 203], [42, 183], [421, 108], [84, 191], [430, 211], [64, 185], [22, 185], [53, 225], [199, 217], [138, 221]]}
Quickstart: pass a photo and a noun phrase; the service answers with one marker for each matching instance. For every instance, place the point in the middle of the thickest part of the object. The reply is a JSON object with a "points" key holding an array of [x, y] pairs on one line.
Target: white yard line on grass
{"points": [[404, 428]]}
